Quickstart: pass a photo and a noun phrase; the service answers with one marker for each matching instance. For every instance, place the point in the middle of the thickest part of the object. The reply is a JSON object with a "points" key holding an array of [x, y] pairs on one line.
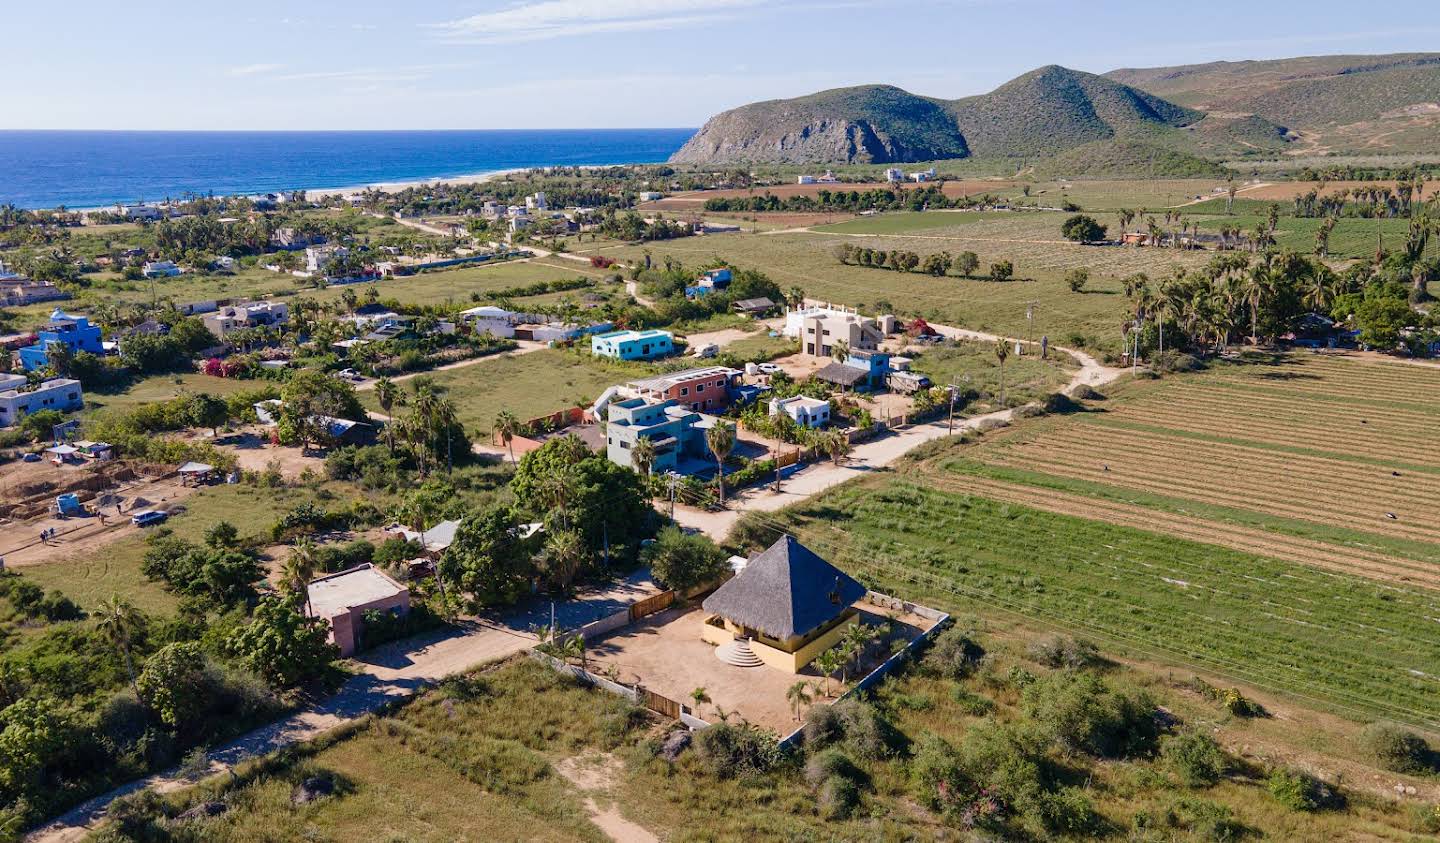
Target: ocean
{"points": [[45, 169]]}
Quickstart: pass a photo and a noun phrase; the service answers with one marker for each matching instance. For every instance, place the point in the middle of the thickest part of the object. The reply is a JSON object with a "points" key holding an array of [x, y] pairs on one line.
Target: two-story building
{"points": [[237, 317], [18, 399], [74, 332], [16, 291], [702, 390], [820, 332], [676, 432], [633, 345]]}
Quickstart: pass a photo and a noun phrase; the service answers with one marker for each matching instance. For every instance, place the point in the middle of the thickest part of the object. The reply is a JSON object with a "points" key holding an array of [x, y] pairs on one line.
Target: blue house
{"points": [[75, 332], [676, 432], [715, 279], [633, 345]]}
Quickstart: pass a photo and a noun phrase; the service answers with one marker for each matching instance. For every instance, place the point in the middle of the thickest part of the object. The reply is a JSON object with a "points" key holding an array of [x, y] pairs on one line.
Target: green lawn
{"points": [[1352, 237], [163, 387], [902, 222]]}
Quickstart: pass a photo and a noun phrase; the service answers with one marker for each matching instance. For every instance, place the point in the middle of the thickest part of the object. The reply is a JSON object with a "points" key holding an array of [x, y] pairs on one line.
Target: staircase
{"points": [[738, 653]]}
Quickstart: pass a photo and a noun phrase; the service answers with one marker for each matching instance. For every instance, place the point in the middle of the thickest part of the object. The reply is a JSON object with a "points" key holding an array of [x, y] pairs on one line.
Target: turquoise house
{"points": [[633, 345]]}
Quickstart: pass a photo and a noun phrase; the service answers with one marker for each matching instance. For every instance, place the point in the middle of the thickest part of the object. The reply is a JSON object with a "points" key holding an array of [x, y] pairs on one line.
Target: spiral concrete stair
{"points": [[738, 653]]}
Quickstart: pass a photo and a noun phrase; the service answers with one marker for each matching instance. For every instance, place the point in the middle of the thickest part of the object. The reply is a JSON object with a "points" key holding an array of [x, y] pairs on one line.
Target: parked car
{"points": [[31, 457], [769, 369], [707, 350], [148, 517], [351, 375]]}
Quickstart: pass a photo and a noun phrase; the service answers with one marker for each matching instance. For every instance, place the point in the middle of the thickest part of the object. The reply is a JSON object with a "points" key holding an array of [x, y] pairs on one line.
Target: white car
{"points": [[706, 351], [351, 375], [769, 368]]}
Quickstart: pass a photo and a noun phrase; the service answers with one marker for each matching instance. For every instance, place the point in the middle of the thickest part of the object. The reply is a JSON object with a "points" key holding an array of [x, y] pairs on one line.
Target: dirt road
{"points": [[869, 457], [526, 347], [387, 673]]}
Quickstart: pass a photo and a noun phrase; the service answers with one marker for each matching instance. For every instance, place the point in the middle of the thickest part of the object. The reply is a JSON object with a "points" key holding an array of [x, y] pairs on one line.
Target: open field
{"points": [[529, 385], [1238, 520], [972, 365], [1352, 237], [906, 222], [696, 199], [164, 387]]}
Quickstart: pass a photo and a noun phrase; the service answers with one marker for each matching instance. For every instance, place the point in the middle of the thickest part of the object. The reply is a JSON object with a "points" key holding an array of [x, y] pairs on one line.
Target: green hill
{"points": [[1114, 158], [1041, 113]]}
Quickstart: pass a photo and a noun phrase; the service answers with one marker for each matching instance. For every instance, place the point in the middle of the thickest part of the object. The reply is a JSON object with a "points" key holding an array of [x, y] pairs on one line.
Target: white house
{"points": [[536, 202], [18, 399], [233, 318], [160, 269], [806, 412], [224, 262], [318, 257], [651, 196], [894, 174], [805, 180], [496, 321], [140, 212], [923, 175]]}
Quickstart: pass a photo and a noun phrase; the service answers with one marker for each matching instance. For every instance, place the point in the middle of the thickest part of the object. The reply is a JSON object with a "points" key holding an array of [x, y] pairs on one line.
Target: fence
{"points": [[884, 669], [651, 605], [659, 704], [639, 695]]}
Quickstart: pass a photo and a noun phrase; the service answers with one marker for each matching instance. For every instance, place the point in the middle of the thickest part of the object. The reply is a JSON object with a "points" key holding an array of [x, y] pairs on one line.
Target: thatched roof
{"points": [[841, 375], [785, 591]]}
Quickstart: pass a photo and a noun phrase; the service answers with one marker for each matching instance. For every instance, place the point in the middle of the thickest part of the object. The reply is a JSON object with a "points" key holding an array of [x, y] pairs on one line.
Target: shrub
{"points": [[953, 655], [1397, 749], [858, 725], [1068, 811], [839, 797], [738, 751], [1084, 714], [1058, 403], [828, 764], [1195, 758], [1086, 392], [682, 561], [1202, 820], [973, 704], [1060, 651], [1301, 791]]}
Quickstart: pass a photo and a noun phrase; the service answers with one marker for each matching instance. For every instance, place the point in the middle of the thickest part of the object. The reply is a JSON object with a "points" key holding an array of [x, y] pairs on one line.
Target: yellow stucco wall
{"points": [[774, 656]]}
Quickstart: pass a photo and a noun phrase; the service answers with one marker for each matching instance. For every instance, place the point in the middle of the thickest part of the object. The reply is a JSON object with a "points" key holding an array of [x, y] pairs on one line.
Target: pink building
{"points": [[343, 599], [702, 390]]}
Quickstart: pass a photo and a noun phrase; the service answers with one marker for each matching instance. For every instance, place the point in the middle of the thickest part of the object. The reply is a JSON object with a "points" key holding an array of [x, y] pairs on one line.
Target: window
{"points": [[625, 446], [699, 388], [684, 390]]}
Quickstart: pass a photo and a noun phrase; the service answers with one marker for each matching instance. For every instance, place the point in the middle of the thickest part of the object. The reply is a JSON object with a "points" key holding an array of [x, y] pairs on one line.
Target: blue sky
{"points": [[478, 64]]}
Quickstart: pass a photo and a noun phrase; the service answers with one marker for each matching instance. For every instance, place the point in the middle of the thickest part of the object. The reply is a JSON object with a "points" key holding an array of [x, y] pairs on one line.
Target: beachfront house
{"points": [[633, 345], [18, 399], [74, 332], [784, 608], [140, 213]]}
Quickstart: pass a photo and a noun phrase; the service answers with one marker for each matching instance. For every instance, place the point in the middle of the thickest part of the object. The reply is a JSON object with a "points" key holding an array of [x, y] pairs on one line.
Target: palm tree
{"points": [[799, 696], [836, 444], [1256, 287], [299, 569], [1002, 351], [721, 440], [827, 663], [388, 394], [118, 620], [840, 351], [564, 552], [643, 455], [507, 427], [699, 697]]}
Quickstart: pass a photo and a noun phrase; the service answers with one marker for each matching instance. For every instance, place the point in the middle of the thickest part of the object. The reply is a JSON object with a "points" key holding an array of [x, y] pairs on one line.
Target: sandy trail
{"points": [[592, 774]]}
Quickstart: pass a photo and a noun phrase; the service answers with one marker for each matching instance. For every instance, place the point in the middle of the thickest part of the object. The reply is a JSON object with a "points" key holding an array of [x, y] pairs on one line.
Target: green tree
{"points": [[642, 455], [1082, 229], [388, 394], [721, 441], [1002, 352], [488, 560], [299, 569], [119, 620], [1381, 319], [564, 557], [206, 410], [799, 695], [966, 263], [507, 427], [175, 683], [682, 561], [222, 535], [1076, 279], [282, 644], [1002, 271]]}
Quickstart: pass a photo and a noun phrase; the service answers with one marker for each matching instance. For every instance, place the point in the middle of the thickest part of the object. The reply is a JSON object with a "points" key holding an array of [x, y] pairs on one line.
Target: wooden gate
{"points": [[651, 605], [659, 704]]}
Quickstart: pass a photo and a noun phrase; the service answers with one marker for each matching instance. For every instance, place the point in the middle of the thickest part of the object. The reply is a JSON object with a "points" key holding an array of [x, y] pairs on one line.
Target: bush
{"points": [[973, 704], [738, 751], [1301, 791], [1084, 714], [683, 561], [828, 764], [839, 797], [1058, 403], [1195, 758], [1086, 392], [1202, 820], [858, 725], [1068, 811], [953, 655], [1060, 651], [1397, 749]]}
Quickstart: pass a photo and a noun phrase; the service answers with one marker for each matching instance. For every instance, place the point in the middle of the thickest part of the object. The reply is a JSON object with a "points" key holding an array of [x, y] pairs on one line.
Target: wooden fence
{"points": [[651, 605], [659, 704]]}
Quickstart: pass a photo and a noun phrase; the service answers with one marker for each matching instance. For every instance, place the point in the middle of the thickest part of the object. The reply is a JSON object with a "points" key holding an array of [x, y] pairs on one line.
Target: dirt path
{"points": [[1205, 199], [592, 774], [870, 456], [386, 674]]}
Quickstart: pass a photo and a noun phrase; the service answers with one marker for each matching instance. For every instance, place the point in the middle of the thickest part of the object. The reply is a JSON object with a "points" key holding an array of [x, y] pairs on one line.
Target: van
{"points": [[148, 517], [706, 351]]}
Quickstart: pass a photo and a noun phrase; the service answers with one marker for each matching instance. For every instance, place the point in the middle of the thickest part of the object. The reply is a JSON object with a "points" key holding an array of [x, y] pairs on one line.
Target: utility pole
{"points": [[776, 451], [672, 497], [950, 422]]}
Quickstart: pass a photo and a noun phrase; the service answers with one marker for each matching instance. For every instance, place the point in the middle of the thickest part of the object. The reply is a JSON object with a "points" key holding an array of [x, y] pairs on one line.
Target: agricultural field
{"points": [[1273, 520], [455, 286]]}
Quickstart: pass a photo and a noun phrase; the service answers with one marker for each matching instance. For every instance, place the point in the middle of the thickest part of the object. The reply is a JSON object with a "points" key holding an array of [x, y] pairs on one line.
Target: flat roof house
{"points": [[784, 608], [74, 332], [18, 399], [16, 291], [342, 600], [702, 390], [633, 345], [805, 411], [232, 318], [160, 269], [675, 432], [819, 333]]}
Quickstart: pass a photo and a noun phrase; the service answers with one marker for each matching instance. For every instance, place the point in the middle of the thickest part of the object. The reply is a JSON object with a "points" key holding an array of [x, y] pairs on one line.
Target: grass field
{"points": [[528, 385], [907, 221], [973, 365], [1234, 520], [163, 387]]}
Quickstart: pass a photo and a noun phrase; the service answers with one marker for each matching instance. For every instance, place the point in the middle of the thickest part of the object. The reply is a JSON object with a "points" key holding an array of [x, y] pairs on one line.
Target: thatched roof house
{"points": [[788, 602]]}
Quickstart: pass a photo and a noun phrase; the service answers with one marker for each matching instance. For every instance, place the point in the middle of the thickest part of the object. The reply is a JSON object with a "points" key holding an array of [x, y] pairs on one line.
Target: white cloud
{"points": [[254, 69], [533, 21]]}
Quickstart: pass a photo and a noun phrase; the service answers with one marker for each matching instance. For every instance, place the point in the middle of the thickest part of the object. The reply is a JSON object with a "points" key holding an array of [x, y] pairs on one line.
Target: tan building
{"points": [[818, 334], [784, 608], [343, 599]]}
